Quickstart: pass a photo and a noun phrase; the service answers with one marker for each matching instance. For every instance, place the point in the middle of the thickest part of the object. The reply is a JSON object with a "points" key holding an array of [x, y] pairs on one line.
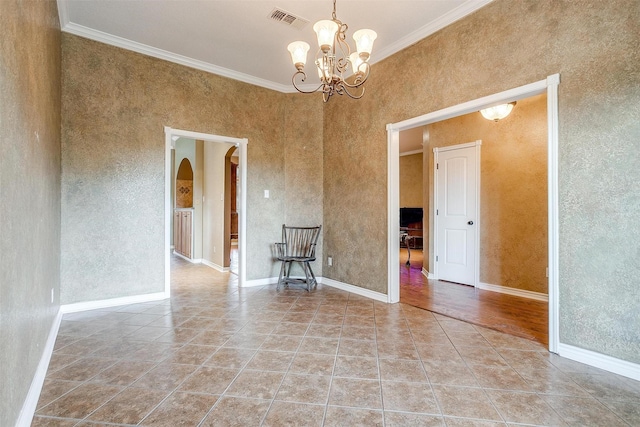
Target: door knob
{"points": [[470, 223]]}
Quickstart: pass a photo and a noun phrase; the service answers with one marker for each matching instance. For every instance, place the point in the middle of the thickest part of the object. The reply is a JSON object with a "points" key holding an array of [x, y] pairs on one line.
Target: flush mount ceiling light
{"points": [[498, 112], [334, 59]]}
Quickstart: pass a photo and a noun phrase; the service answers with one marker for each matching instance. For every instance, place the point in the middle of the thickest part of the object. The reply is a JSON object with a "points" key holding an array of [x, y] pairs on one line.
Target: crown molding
{"points": [[449, 18], [63, 13], [82, 31]]}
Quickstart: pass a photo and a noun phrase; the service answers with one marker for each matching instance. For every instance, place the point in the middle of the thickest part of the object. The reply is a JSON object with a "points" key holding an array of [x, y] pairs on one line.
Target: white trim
{"points": [[553, 204], [475, 144], [354, 289], [443, 21], [548, 85], [144, 49], [458, 146], [260, 282], [393, 214], [191, 260], [410, 153], [475, 105], [325, 281], [63, 13], [242, 144], [538, 296], [599, 360], [242, 213], [428, 275], [31, 401], [168, 206], [214, 265], [113, 302]]}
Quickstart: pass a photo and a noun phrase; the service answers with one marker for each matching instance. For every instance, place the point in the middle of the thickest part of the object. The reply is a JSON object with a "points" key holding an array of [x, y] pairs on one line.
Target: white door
{"points": [[457, 207]]}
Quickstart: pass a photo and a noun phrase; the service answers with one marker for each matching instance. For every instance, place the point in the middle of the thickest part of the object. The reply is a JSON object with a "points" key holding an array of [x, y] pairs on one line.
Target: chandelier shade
{"points": [[298, 51], [364, 41], [340, 71], [326, 31]]}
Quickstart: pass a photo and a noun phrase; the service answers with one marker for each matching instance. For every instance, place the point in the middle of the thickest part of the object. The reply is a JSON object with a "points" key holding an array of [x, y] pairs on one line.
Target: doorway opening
{"points": [[232, 202], [217, 198], [549, 87]]}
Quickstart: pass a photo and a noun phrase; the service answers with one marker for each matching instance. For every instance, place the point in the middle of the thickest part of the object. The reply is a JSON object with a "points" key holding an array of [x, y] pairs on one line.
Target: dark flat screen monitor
{"points": [[410, 216]]}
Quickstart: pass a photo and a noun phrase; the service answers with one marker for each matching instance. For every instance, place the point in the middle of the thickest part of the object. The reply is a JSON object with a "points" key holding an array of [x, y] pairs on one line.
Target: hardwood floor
{"points": [[522, 317]]}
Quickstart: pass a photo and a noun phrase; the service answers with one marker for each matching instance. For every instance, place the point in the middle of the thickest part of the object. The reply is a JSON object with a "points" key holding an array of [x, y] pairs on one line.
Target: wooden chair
{"points": [[298, 245]]}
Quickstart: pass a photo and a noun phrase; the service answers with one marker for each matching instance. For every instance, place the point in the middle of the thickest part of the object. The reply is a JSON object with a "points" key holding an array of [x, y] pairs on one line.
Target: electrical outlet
{"points": [[52, 293], [330, 261]]}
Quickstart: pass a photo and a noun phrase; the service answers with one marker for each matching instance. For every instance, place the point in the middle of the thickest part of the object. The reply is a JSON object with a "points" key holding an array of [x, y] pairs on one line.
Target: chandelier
{"points": [[334, 59]]}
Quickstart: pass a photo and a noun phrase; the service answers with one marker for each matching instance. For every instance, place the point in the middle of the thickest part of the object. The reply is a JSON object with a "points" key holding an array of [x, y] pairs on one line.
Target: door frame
{"points": [[476, 231], [548, 86], [241, 143]]}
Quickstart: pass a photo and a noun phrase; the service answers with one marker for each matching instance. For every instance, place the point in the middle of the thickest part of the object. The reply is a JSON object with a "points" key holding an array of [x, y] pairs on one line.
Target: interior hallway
{"points": [[216, 355], [522, 317]]}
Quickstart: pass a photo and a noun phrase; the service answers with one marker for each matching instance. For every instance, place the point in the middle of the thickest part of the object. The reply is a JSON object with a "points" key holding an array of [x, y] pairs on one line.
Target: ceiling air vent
{"points": [[288, 19]]}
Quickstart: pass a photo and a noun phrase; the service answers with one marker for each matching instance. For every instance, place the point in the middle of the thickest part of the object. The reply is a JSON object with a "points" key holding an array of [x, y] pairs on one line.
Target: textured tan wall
{"points": [[506, 44], [29, 193], [115, 104], [355, 189], [411, 181], [513, 192], [303, 170]]}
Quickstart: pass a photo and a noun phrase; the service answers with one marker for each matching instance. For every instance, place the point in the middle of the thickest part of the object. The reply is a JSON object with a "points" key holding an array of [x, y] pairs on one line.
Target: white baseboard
{"points": [[92, 305], [428, 275], [325, 281], [192, 261], [214, 266], [354, 289], [599, 360], [260, 282], [31, 402], [513, 291]]}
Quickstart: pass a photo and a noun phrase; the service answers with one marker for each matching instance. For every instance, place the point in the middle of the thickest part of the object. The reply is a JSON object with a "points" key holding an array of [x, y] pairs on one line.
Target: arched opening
{"points": [[184, 185], [231, 208]]}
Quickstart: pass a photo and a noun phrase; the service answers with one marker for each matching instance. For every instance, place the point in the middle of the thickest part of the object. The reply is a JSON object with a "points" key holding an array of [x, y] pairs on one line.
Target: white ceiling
{"points": [[236, 38]]}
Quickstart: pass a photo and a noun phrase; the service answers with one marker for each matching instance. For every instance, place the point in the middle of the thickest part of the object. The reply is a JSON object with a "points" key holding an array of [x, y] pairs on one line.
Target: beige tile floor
{"points": [[216, 355]]}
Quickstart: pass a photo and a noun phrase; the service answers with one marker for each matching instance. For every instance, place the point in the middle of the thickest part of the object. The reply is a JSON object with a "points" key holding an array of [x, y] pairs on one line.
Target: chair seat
{"points": [[295, 259]]}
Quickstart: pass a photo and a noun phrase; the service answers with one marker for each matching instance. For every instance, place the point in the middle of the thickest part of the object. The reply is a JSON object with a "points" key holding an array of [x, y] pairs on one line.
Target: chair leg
{"points": [[282, 267], [314, 282], [287, 272], [305, 268]]}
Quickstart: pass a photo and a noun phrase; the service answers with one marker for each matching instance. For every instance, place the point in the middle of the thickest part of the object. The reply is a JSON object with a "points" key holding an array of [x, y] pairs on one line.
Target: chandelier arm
{"points": [[344, 90], [359, 80], [304, 76], [352, 96], [342, 61]]}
